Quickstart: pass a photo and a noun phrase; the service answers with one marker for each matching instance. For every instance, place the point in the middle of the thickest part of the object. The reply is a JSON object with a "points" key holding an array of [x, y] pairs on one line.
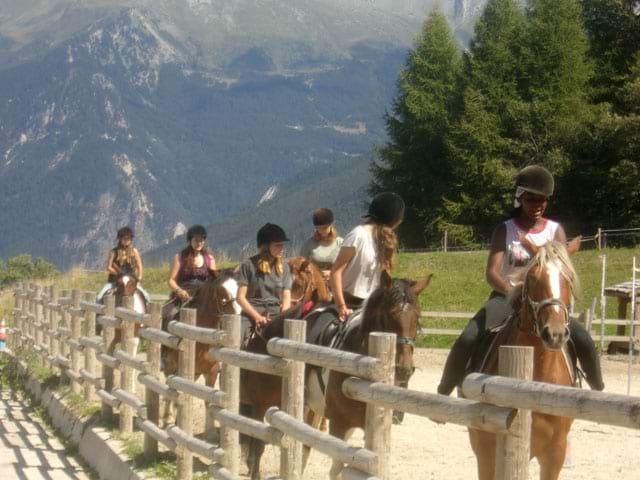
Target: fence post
{"points": [[17, 311], [54, 345], [599, 237], [127, 345], [66, 324], [512, 451], [89, 353], [293, 403], [37, 327], [186, 370], [152, 399], [230, 385], [377, 426], [75, 335], [24, 318], [445, 240], [108, 333]]}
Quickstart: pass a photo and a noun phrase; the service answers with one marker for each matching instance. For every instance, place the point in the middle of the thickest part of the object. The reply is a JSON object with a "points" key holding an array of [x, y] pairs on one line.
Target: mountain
{"points": [[164, 113]]}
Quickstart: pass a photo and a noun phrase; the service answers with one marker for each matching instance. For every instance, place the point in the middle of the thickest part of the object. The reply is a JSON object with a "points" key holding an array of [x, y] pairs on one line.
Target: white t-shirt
{"points": [[362, 274], [515, 255]]}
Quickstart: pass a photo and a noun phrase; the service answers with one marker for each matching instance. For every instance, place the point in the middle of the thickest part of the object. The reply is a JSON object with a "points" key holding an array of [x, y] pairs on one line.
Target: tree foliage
{"points": [[557, 84], [22, 267]]}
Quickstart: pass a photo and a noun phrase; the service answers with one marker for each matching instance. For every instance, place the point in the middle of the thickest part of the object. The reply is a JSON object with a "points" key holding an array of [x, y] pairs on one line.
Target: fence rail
{"points": [[59, 327]]}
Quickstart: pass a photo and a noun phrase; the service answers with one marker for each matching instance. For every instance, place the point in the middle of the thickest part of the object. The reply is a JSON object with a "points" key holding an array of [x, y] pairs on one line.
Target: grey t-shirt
{"points": [[322, 255], [263, 290]]}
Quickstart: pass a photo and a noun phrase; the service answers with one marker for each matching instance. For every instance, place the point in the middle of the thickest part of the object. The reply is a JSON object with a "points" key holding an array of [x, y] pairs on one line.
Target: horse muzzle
{"points": [[554, 338], [404, 373]]}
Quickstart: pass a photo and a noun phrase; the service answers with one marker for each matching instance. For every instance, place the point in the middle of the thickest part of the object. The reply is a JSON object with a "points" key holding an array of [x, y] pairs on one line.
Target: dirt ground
{"points": [[422, 449]]}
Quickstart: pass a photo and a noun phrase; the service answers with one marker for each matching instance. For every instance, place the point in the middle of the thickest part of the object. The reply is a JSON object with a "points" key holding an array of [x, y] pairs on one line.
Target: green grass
{"points": [[459, 286]]}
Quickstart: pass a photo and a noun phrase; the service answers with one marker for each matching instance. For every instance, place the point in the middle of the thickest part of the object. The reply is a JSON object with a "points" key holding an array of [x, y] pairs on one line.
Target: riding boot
{"points": [[587, 355], [456, 364]]}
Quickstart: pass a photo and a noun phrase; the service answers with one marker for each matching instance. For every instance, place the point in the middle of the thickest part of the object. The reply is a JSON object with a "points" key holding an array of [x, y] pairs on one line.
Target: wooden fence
{"points": [[59, 328]]}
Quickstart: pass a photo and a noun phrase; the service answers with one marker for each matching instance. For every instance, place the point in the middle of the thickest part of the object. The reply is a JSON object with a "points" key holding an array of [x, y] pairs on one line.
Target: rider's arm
{"points": [[285, 302], [335, 278], [138, 260], [560, 235], [173, 276], [212, 263], [494, 262], [287, 283], [247, 308], [111, 267]]}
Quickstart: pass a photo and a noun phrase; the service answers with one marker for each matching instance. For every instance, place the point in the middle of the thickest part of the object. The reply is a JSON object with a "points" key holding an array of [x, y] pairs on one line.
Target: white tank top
{"points": [[516, 256]]}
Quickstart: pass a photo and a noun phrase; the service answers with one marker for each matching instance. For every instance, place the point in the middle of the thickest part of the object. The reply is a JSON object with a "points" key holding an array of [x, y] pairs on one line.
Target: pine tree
{"points": [[415, 161]]}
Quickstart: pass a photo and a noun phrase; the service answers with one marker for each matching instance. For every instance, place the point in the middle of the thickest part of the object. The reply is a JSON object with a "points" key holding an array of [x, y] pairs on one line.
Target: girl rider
{"points": [[366, 251], [534, 186], [123, 259], [264, 281], [322, 249], [190, 268]]}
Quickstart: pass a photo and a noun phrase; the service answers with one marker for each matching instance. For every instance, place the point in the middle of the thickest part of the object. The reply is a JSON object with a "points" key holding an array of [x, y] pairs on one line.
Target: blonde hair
{"points": [[331, 236], [123, 255], [386, 245], [265, 261]]}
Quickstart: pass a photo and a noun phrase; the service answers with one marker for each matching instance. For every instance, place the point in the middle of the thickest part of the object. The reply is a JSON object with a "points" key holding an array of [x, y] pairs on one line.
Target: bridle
{"points": [[536, 307]]}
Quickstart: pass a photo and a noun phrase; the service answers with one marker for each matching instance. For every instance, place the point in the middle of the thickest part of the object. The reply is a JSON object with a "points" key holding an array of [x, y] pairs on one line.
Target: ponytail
{"points": [[265, 261], [386, 245]]}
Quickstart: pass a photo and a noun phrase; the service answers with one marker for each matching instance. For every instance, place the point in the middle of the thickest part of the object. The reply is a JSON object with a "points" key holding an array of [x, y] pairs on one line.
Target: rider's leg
{"points": [[587, 355], [144, 293], [108, 286], [492, 314]]}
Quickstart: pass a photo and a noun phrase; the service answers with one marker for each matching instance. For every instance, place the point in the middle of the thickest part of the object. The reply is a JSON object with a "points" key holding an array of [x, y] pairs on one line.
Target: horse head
{"points": [[126, 285], [393, 307], [546, 291], [307, 282], [216, 297]]}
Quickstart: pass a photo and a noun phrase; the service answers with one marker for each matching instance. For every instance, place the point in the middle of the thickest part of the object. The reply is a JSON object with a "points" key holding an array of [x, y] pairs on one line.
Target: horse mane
{"points": [[214, 283], [553, 252], [382, 302]]}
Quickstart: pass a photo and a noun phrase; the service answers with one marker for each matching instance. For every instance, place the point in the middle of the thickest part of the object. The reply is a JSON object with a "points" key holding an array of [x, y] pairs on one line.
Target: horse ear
{"points": [[528, 245], [418, 287], [385, 280], [574, 245]]}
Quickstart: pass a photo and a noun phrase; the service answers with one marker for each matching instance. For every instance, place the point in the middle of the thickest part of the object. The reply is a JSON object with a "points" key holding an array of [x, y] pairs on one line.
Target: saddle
{"points": [[485, 356]]}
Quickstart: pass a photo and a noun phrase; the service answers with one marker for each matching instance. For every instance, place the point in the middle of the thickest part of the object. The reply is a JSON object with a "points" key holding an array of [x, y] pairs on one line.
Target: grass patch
{"points": [[459, 285], [77, 404]]}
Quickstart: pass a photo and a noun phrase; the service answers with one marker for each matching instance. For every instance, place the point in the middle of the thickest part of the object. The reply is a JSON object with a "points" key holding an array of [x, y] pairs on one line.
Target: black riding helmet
{"points": [[270, 232], [322, 217], [535, 179], [386, 208], [125, 232], [198, 230]]}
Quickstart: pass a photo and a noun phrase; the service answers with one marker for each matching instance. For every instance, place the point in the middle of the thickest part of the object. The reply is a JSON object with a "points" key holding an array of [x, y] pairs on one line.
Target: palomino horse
{"points": [[212, 300], [391, 308], [542, 322]]}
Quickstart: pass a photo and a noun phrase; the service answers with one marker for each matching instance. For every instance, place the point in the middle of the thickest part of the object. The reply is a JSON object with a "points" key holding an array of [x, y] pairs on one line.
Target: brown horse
{"points": [[213, 299], [308, 283], [542, 322], [126, 285], [391, 308]]}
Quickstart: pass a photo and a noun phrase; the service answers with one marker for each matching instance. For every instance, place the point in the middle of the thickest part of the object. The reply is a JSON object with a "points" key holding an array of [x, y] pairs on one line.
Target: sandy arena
{"points": [[423, 450]]}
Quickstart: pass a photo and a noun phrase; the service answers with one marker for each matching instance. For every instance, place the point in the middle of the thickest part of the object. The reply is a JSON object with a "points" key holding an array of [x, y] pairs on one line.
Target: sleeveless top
{"points": [[126, 268], [516, 256], [202, 273]]}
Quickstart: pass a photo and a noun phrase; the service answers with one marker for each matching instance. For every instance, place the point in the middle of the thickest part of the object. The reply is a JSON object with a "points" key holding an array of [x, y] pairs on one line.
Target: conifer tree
{"points": [[415, 161]]}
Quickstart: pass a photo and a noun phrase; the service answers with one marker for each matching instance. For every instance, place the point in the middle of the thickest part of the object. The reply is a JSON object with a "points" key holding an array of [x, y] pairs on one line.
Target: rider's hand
{"points": [[183, 295], [344, 312], [262, 320]]}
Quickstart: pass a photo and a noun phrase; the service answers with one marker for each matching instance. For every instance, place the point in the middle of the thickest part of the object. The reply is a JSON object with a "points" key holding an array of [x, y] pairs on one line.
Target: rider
{"points": [[264, 281], [123, 259], [322, 249], [366, 251], [190, 268], [507, 257]]}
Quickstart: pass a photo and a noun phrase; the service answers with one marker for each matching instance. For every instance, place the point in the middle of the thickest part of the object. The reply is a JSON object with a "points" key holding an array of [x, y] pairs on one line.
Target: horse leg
{"points": [[552, 460], [343, 432], [210, 430], [484, 446]]}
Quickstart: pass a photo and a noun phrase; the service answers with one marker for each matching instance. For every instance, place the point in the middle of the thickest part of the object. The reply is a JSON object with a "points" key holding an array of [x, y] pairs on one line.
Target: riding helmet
{"points": [[535, 179], [198, 230], [125, 232], [322, 217], [270, 232], [386, 208]]}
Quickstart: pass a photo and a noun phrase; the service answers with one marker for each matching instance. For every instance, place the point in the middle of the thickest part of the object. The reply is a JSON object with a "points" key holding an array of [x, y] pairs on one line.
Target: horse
{"points": [[308, 283], [126, 285], [213, 299], [391, 308], [541, 321]]}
